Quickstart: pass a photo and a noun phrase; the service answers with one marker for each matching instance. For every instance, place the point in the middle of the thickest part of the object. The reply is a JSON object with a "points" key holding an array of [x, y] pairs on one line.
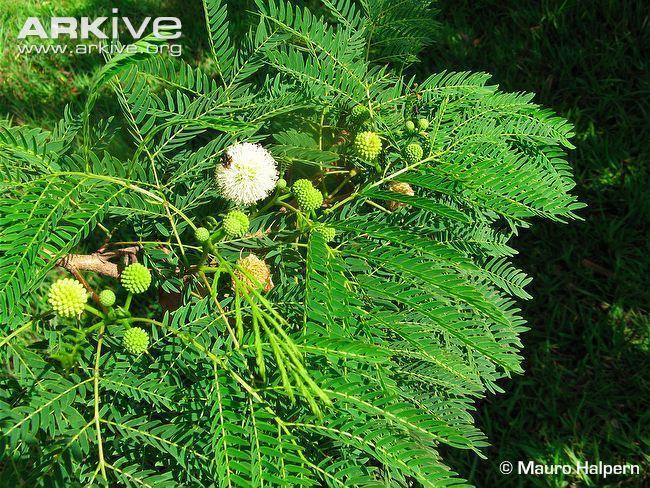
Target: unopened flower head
{"points": [[107, 298], [67, 297], [136, 340], [328, 233], [136, 278], [247, 173]]}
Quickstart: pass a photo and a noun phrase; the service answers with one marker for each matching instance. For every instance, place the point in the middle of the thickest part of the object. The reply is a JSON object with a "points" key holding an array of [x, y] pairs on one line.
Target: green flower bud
{"points": [[136, 340], [136, 278], [308, 197], [281, 184], [409, 126], [328, 233], [202, 234], [413, 152], [367, 145], [67, 297], [301, 185], [423, 124], [359, 114], [107, 298], [235, 223]]}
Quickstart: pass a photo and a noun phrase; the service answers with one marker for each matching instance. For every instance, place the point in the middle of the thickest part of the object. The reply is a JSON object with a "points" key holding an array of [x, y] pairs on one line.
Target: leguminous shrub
{"points": [[298, 274]]}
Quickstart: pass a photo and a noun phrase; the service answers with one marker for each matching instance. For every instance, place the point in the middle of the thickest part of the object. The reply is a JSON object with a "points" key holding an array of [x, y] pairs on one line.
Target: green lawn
{"points": [[586, 391], [35, 88]]}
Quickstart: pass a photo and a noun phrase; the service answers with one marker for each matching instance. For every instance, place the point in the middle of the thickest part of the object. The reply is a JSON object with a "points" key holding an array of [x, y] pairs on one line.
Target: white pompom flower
{"points": [[247, 173]]}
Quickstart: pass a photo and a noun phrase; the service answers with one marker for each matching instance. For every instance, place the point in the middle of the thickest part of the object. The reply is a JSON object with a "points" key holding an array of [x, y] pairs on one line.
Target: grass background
{"points": [[586, 391]]}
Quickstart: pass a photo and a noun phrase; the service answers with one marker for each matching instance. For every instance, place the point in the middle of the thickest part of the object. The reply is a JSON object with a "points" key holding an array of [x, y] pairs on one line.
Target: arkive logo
{"points": [[86, 28]]}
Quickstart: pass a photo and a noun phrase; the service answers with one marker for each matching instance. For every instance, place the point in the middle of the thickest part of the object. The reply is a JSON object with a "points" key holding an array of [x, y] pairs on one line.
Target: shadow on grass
{"points": [[585, 394]]}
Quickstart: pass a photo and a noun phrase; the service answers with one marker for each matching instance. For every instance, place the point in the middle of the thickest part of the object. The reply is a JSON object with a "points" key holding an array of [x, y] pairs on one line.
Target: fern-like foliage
{"points": [[356, 358]]}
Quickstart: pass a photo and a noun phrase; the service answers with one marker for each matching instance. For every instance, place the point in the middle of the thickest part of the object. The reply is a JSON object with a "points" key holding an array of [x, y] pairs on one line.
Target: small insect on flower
{"points": [[246, 174], [226, 160]]}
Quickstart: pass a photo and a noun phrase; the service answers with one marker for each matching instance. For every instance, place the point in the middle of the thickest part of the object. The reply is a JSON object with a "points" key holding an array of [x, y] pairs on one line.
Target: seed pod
{"points": [[253, 275], [401, 188]]}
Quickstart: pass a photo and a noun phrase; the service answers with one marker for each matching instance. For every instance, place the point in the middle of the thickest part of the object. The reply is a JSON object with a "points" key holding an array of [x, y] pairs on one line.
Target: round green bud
{"points": [[202, 234], [328, 233], [308, 197], [359, 114], [409, 125], [423, 124], [367, 145], [235, 223], [136, 340], [310, 200], [281, 184], [301, 185], [413, 152], [136, 278], [107, 298], [67, 297]]}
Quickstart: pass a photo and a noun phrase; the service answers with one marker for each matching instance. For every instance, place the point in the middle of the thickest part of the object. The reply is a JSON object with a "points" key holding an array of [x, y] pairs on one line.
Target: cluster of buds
{"points": [[68, 299], [421, 124]]}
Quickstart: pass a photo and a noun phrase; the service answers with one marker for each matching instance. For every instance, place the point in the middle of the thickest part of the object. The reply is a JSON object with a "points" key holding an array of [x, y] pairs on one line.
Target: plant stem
{"points": [[341, 185], [94, 311], [100, 446], [342, 202], [210, 269], [278, 198], [94, 327], [16, 332], [376, 205]]}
